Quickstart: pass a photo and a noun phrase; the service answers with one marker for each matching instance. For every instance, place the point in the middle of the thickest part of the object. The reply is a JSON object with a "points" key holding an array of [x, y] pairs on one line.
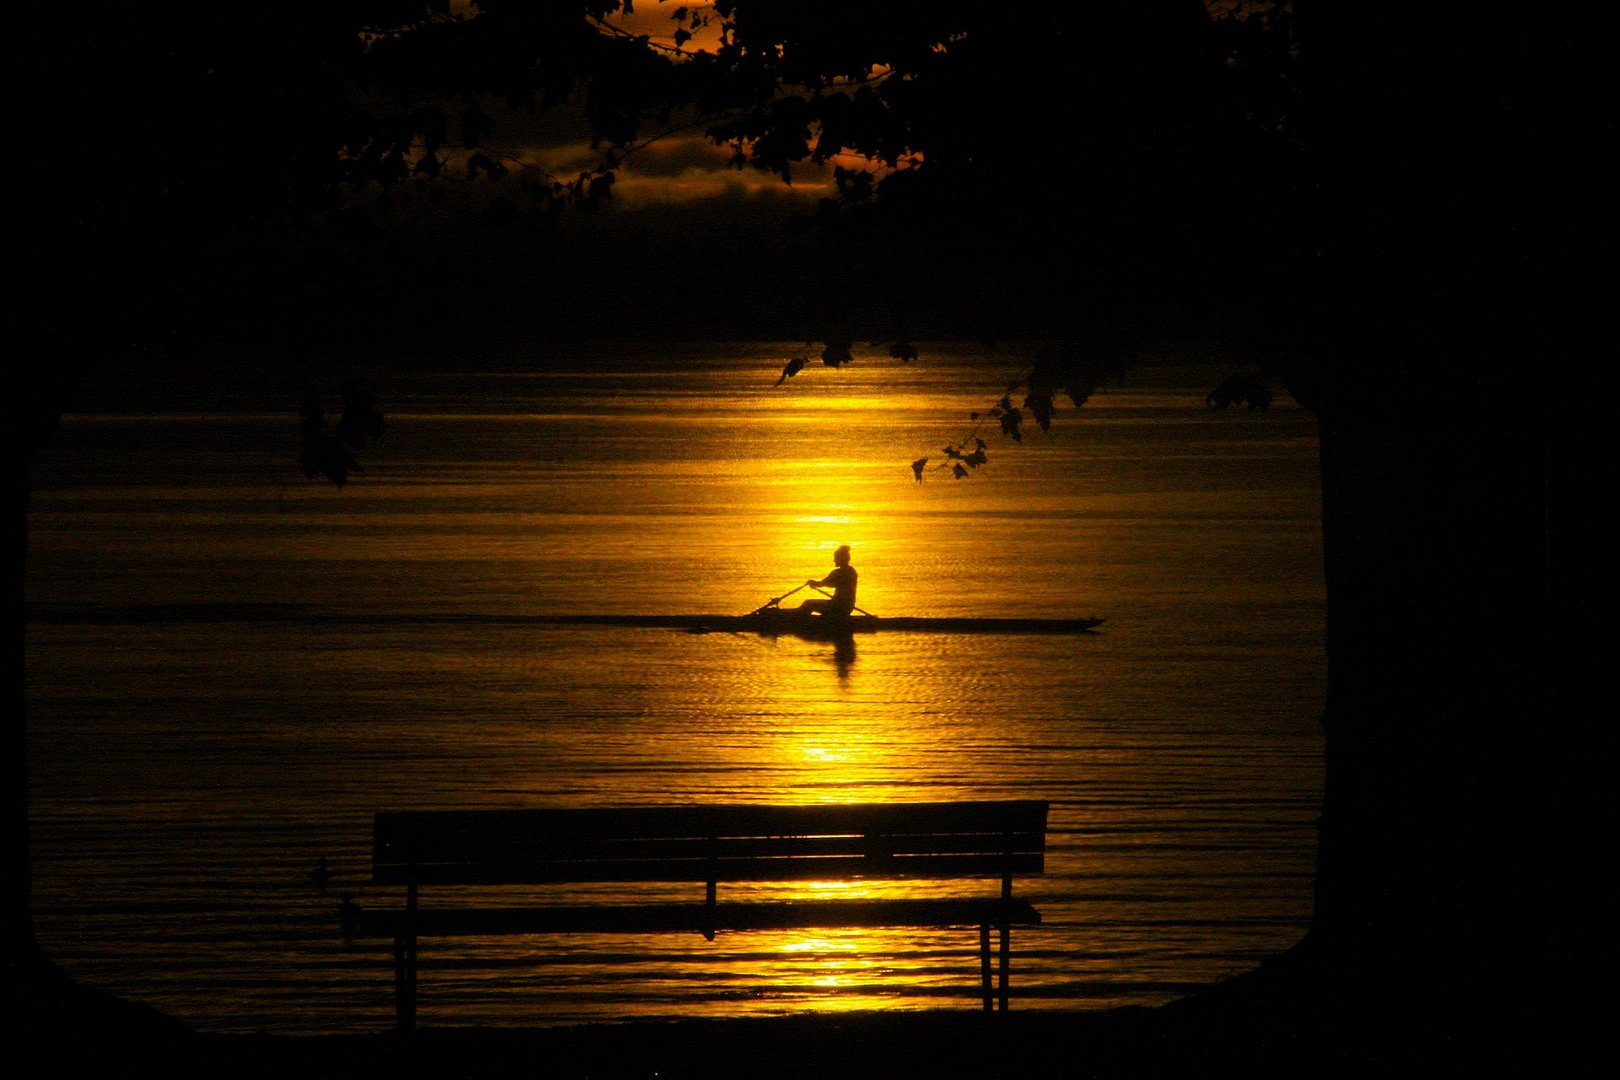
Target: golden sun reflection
{"points": [[834, 964], [833, 754], [818, 945], [823, 755], [841, 890]]}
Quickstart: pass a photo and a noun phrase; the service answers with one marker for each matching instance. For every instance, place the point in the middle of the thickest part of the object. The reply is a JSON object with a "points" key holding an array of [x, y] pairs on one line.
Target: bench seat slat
{"points": [[397, 851], [533, 872], [699, 918], [524, 826]]}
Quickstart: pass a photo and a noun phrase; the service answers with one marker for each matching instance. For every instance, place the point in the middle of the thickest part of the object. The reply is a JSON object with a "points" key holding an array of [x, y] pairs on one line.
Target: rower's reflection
{"points": [[844, 654]]}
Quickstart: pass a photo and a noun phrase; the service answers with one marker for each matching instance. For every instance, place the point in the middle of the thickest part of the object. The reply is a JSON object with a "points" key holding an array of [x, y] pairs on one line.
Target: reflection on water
{"points": [[188, 772]]}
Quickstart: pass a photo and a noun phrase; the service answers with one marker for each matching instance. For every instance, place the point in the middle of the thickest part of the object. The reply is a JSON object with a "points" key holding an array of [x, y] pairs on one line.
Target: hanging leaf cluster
{"points": [[838, 351], [1072, 369]]}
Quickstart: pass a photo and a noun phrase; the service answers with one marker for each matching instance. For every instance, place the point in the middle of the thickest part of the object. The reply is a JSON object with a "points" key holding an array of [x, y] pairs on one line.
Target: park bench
{"points": [[711, 845]]}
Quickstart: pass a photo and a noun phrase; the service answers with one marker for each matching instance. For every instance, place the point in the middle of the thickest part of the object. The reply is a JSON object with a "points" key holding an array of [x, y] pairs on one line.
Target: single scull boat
{"points": [[790, 622]]}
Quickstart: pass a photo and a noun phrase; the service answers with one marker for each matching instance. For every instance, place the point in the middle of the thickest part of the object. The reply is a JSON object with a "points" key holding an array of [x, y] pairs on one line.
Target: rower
{"points": [[842, 581]]}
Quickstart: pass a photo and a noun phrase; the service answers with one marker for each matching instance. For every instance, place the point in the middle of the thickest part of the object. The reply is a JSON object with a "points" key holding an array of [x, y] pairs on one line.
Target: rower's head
{"points": [[841, 556]]}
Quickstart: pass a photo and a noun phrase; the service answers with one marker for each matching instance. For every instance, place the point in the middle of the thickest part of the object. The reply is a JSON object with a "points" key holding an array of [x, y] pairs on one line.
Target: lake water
{"points": [[231, 668]]}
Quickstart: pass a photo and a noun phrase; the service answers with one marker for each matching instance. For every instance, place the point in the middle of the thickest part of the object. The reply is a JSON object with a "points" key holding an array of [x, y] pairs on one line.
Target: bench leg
{"points": [[984, 963], [405, 982], [405, 964], [1006, 933]]}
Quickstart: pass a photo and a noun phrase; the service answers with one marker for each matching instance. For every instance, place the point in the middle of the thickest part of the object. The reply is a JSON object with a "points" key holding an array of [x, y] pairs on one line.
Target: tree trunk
{"points": [[1448, 155], [1432, 879]]}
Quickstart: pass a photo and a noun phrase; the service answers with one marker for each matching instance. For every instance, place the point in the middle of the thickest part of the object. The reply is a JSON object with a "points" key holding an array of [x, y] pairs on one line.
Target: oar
{"points": [[775, 600], [824, 592]]}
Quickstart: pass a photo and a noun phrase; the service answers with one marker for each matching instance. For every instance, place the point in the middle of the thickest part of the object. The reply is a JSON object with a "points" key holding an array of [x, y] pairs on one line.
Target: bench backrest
{"points": [[711, 843]]}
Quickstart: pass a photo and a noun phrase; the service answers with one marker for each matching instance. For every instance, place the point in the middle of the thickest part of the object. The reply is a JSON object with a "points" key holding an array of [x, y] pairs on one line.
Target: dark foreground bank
{"points": [[1261, 1024]]}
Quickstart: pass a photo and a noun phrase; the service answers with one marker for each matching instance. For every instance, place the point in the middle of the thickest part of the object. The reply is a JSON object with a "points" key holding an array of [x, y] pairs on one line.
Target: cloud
{"points": [[678, 155], [676, 169], [693, 170]]}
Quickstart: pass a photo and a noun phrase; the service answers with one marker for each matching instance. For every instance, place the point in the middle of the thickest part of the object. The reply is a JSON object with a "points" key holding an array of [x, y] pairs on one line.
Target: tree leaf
{"points": [[792, 368], [1011, 420], [1039, 402], [837, 353], [324, 455], [360, 418], [490, 167]]}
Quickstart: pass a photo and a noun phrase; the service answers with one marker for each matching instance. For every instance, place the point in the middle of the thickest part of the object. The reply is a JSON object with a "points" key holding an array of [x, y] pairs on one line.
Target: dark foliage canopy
{"points": [[185, 162]]}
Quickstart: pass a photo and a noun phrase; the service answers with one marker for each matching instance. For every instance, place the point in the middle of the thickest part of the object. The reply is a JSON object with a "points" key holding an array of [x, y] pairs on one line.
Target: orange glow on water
{"points": [[1179, 747]]}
